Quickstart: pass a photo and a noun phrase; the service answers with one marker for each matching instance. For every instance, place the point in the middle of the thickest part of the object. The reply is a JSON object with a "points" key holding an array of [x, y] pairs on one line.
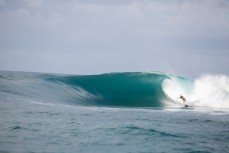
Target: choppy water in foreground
{"points": [[29, 124], [33, 127]]}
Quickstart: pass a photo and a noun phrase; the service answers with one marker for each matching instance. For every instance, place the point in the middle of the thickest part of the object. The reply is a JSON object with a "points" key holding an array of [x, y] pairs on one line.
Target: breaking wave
{"points": [[130, 89]]}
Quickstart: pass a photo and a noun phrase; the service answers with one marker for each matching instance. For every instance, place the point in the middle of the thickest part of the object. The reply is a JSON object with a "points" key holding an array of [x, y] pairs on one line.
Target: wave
{"points": [[130, 89], [117, 89]]}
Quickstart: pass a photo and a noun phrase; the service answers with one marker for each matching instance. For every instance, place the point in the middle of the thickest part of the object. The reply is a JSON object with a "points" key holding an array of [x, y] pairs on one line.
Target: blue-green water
{"points": [[117, 112]]}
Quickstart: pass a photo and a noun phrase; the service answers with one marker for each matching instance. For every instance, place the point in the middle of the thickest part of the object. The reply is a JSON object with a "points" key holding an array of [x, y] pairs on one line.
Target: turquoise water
{"points": [[97, 113]]}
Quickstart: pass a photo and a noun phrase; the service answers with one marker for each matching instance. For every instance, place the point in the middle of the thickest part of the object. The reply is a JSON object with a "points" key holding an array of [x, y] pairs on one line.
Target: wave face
{"points": [[117, 89], [135, 89]]}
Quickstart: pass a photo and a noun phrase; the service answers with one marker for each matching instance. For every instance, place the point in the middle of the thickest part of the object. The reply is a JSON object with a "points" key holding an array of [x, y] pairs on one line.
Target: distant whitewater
{"points": [[129, 89]]}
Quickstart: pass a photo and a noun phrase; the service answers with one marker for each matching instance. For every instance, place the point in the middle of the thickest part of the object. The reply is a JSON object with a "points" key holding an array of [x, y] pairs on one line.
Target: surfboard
{"points": [[181, 103]]}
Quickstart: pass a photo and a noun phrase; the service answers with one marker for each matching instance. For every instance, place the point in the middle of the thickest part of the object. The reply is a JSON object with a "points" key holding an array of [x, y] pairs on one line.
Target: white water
{"points": [[208, 91], [211, 91]]}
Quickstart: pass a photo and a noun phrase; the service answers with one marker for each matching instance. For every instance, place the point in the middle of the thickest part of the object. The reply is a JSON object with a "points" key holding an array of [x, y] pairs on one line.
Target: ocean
{"points": [[131, 112]]}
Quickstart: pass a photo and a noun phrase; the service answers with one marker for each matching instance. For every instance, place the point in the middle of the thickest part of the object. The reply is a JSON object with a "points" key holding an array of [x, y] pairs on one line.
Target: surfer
{"points": [[184, 100]]}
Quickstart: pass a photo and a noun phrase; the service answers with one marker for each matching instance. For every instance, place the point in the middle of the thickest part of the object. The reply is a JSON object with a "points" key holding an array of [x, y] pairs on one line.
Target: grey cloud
{"points": [[106, 36]]}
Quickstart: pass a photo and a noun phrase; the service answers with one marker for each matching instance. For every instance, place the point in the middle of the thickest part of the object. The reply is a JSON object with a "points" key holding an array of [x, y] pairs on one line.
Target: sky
{"points": [[181, 37]]}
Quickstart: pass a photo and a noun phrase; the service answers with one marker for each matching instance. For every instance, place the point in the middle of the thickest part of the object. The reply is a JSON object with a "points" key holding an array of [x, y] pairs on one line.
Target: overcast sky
{"points": [[182, 37]]}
